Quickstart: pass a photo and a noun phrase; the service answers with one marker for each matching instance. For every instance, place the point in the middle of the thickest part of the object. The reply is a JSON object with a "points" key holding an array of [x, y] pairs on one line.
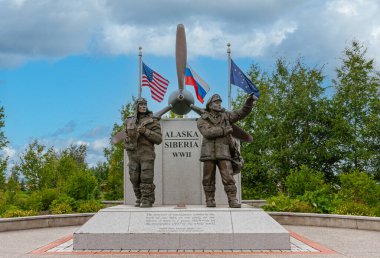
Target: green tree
{"points": [[31, 165], [3, 143], [290, 126], [115, 159], [357, 112]]}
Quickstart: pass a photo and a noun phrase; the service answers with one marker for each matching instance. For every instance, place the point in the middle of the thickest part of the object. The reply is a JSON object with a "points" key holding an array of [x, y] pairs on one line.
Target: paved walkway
{"points": [[346, 242]]}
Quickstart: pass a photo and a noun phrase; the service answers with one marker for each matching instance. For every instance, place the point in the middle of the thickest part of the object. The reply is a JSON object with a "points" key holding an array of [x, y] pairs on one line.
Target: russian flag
{"points": [[200, 86]]}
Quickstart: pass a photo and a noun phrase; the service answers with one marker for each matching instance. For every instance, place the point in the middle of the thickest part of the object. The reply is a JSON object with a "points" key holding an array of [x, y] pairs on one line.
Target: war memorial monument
{"points": [[182, 186]]}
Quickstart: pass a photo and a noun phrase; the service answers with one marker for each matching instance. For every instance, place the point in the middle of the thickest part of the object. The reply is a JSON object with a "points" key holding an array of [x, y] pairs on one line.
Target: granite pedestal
{"points": [[193, 227]]}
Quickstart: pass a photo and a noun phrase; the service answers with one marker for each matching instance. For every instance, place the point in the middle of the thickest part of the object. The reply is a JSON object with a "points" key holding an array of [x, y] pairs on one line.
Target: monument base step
{"points": [[192, 227]]}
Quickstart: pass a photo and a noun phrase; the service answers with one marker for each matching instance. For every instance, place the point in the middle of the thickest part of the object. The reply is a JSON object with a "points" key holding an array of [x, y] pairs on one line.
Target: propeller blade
{"points": [[241, 134], [120, 136], [160, 113], [196, 109], [181, 55]]}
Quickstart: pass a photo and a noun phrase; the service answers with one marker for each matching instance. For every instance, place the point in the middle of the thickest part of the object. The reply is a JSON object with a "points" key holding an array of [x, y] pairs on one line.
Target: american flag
{"points": [[155, 82]]}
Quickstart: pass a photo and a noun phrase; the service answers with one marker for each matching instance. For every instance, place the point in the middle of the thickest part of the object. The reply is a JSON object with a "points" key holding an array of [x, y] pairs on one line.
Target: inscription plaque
{"points": [[180, 222]]}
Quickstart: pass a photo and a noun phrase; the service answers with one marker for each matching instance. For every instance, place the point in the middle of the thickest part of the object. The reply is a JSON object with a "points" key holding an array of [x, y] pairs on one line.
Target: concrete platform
{"points": [[168, 227]]}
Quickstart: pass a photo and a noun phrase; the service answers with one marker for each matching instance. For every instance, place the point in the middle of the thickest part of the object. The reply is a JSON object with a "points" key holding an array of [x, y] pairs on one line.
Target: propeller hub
{"points": [[181, 101]]}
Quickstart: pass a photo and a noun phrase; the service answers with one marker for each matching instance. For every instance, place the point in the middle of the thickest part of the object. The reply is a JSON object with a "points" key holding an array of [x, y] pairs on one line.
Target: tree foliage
{"points": [[115, 159], [356, 106], [3, 143]]}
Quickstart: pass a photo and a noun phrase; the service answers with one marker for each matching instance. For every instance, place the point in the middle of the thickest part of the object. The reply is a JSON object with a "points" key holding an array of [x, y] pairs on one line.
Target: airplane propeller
{"points": [[181, 101]]}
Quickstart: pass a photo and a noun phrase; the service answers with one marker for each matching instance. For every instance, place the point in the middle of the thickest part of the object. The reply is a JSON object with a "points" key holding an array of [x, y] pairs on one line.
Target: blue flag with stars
{"points": [[238, 78]]}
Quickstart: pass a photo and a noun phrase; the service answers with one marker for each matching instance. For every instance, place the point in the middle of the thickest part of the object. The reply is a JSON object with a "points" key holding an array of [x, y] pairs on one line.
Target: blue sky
{"points": [[67, 67]]}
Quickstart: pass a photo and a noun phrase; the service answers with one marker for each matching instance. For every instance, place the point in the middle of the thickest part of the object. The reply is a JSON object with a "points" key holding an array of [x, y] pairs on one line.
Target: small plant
{"points": [[89, 206], [19, 213], [64, 204], [353, 208], [284, 203], [60, 208]]}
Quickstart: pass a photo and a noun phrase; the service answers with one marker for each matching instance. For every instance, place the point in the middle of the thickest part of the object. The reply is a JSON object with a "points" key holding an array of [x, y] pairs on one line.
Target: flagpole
{"points": [[229, 75], [140, 68]]}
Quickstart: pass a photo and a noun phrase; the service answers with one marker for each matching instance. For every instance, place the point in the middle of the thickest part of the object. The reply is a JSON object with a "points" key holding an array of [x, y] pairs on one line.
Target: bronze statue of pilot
{"points": [[143, 131], [215, 124]]}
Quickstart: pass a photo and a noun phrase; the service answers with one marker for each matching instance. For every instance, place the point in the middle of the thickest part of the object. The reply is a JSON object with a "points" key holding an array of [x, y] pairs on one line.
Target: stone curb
{"points": [[43, 221], [327, 220], [284, 218]]}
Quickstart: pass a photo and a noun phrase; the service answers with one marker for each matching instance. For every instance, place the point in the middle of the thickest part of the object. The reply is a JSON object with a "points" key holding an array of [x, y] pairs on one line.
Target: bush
{"points": [[15, 212], [286, 204], [359, 187], [63, 204], [82, 186], [302, 180], [60, 208], [34, 201], [322, 199], [89, 206], [353, 208]]}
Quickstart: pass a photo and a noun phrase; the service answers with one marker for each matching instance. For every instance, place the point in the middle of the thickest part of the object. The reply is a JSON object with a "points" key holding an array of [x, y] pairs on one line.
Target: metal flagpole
{"points": [[140, 68], [229, 75]]}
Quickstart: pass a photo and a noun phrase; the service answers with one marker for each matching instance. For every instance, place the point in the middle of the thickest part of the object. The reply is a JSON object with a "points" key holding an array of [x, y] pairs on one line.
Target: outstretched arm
{"points": [[244, 111]]}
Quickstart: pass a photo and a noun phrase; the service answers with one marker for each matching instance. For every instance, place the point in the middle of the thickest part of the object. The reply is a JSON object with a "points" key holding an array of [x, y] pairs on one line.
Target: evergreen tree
{"points": [[357, 112]]}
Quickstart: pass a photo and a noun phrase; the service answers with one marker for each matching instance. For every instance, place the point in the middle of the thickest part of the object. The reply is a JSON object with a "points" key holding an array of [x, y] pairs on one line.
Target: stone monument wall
{"points": [[177, 169]]}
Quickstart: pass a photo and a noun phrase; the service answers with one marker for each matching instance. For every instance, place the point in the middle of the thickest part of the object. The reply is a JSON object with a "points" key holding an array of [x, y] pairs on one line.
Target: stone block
{"points": [[194, 227]]}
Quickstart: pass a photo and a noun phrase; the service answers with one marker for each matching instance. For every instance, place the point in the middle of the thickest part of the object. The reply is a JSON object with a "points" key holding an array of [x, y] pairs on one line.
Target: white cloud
{"points": [[9, 152], [99, 144], [348, 8]]}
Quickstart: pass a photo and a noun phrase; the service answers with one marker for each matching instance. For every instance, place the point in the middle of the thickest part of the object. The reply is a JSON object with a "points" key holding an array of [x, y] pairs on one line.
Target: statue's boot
{"points": [[231, 191], [137, 191], [210, 195], [147, 198]]}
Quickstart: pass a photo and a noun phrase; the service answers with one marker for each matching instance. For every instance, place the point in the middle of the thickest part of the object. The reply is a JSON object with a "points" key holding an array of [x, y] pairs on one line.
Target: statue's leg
{"points": [[208, 182], [147, 186], [134, 177], [225, 168]]}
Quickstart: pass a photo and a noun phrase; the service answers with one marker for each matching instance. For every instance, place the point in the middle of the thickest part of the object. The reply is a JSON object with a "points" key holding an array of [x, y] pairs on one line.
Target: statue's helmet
{"points": [[137, 102], [213, 98]]}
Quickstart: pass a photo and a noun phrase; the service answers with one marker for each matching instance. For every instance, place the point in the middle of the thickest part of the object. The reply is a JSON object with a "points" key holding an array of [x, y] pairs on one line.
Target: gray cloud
{"points": [[96, 132], [318, 30], [66, 129]]}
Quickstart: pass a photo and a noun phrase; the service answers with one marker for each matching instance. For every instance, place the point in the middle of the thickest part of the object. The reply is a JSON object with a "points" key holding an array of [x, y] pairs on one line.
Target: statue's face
{"points": [[216, 106], [142, 108]]}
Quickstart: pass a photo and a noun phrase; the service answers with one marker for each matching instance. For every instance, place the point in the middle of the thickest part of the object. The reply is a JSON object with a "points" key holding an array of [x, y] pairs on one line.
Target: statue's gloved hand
{"points": [[252, 96], [227, 130], [141, 129]]}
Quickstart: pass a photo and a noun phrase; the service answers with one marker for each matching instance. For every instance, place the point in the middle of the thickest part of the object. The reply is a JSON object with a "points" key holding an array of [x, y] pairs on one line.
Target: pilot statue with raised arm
{"points": [[215, 124]]}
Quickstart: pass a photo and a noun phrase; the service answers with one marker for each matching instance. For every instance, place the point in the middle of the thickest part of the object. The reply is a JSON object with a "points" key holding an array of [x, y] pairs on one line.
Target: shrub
{"points": [[15, 212], [302, 180], [286, 204], [359, 187], [353, 208], [63, 204], [82, 186], [48, 196], [323, 200], [89, 206], [60, 208]]}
